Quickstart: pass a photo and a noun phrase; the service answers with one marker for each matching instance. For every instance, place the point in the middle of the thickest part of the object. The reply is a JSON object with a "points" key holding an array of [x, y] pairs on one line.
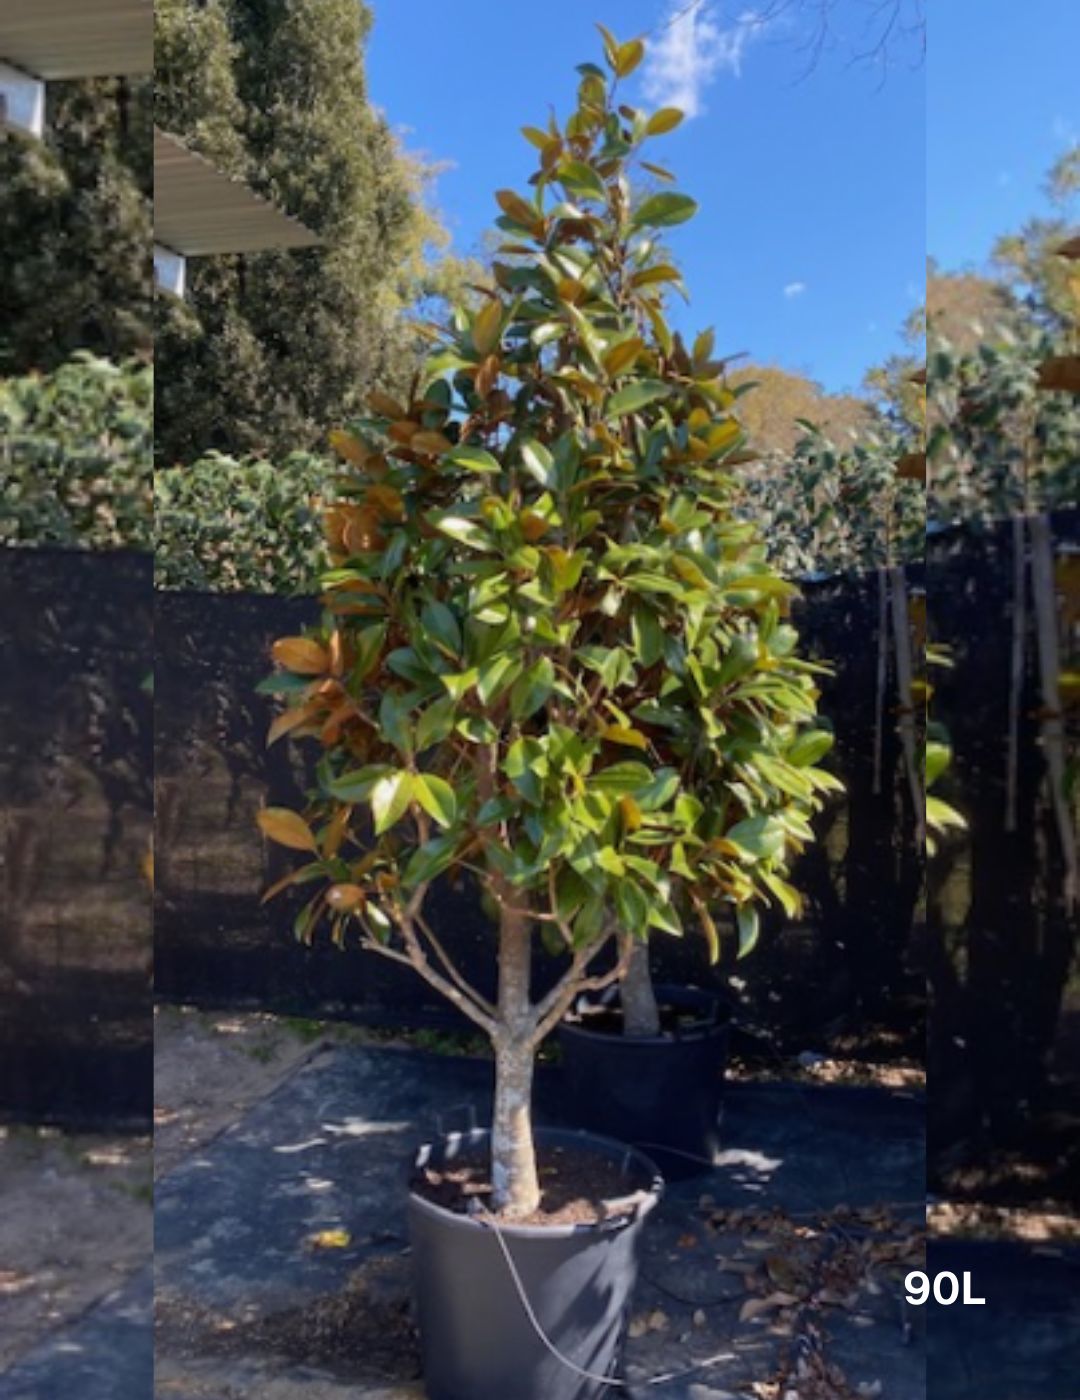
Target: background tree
{"points": [[1027, 261], [880, 30], [967, 307], [271, 351], [75, 227], [772, 410]]}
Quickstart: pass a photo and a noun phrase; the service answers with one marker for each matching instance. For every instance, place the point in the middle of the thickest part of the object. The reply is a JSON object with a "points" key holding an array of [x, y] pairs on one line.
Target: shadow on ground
{"points": [[282, 1264], [282, 1268]]}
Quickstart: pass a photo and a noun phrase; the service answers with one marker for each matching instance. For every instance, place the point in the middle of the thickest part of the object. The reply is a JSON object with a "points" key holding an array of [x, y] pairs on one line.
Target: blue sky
{"points": [[1003, 86], [809, 248]]}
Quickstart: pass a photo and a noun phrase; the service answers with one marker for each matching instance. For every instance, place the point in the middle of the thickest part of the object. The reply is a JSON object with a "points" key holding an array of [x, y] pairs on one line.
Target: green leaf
{"points": [[663, 916], [621, 778], [436, 723], [628, 57], [609, 860], [478, 729], [632, 907], [651, 873], [459, 686], [581, 178], [941, 817], [440, 622], [589, 921], [521, 767], [437, 798], [532, 689], [430, 861], [661, 172], [394, 725], [465, 531], [648, 635], [304, 924], [810, 747], [283, 684], [547, 332], [787, 896], [938, 758], [636, 396], [660, 791], [390, 799], [611, 44], [660, 272], [473, 459], [537, 461], [368, 645], [664, 211], [538, 138], [665, 120], [760, 837], [358, 786], [495, 676], [749, 925]]}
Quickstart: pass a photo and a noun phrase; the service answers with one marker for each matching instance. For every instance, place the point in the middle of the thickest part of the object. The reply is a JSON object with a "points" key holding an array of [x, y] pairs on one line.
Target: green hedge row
{"points": [[76, 471], [76, 456]]}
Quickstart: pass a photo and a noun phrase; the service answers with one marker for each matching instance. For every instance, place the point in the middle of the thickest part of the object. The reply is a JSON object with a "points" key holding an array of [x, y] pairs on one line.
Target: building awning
{"points": [[57, 39], [199, 211]]}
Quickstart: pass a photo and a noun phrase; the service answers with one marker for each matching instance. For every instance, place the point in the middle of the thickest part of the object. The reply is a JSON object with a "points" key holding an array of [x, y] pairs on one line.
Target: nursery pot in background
{"points": [[660, 1093], [526, 1312]]}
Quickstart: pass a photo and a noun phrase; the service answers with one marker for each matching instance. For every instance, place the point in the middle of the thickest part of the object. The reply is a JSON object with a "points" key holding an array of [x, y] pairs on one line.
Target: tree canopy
{"points": [[76, 229], [270, 351]]}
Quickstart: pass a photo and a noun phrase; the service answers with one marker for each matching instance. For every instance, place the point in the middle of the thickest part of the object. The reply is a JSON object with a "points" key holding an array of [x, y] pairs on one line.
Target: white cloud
{"points": [[795, 289], [691, 50]]}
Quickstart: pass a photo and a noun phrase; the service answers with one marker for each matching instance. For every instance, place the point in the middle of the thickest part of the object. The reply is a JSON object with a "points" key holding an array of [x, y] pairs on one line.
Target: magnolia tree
{"points": [[831, 509], [1002, 440], [551, 655]]}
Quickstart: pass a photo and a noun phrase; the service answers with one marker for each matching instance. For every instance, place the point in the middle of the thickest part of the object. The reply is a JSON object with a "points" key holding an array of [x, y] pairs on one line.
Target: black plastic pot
{"points": [[660, 1093], [471, 1282]]}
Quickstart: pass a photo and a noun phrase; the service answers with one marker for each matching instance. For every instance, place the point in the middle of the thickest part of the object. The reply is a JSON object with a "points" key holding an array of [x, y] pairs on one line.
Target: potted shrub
{"points": [[553, 660]]}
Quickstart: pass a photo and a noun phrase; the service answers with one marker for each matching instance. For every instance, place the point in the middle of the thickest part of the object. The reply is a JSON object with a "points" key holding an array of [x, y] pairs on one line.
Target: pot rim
{"points": [[643, 1199], [715, 1019]]}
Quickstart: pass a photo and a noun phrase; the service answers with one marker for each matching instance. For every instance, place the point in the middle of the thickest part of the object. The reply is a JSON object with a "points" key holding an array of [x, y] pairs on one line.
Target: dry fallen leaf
{"points": [[330, 1239], [754, 1307]]}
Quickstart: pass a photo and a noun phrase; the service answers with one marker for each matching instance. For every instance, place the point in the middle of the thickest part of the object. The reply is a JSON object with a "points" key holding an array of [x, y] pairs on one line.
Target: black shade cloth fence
{"points": [[82, 746], [76, 811]]}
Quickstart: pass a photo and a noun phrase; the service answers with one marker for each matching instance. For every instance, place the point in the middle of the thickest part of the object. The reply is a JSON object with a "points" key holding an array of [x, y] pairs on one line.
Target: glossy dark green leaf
{"points": [[391, 798], [532, 690], [664, 211], [749, 926], [437, 798], [635, 396]]}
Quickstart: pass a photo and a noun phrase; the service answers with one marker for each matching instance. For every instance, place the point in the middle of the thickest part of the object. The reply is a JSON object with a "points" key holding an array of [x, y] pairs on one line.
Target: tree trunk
{"points": [[513, 1154], [641, 1014]]}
